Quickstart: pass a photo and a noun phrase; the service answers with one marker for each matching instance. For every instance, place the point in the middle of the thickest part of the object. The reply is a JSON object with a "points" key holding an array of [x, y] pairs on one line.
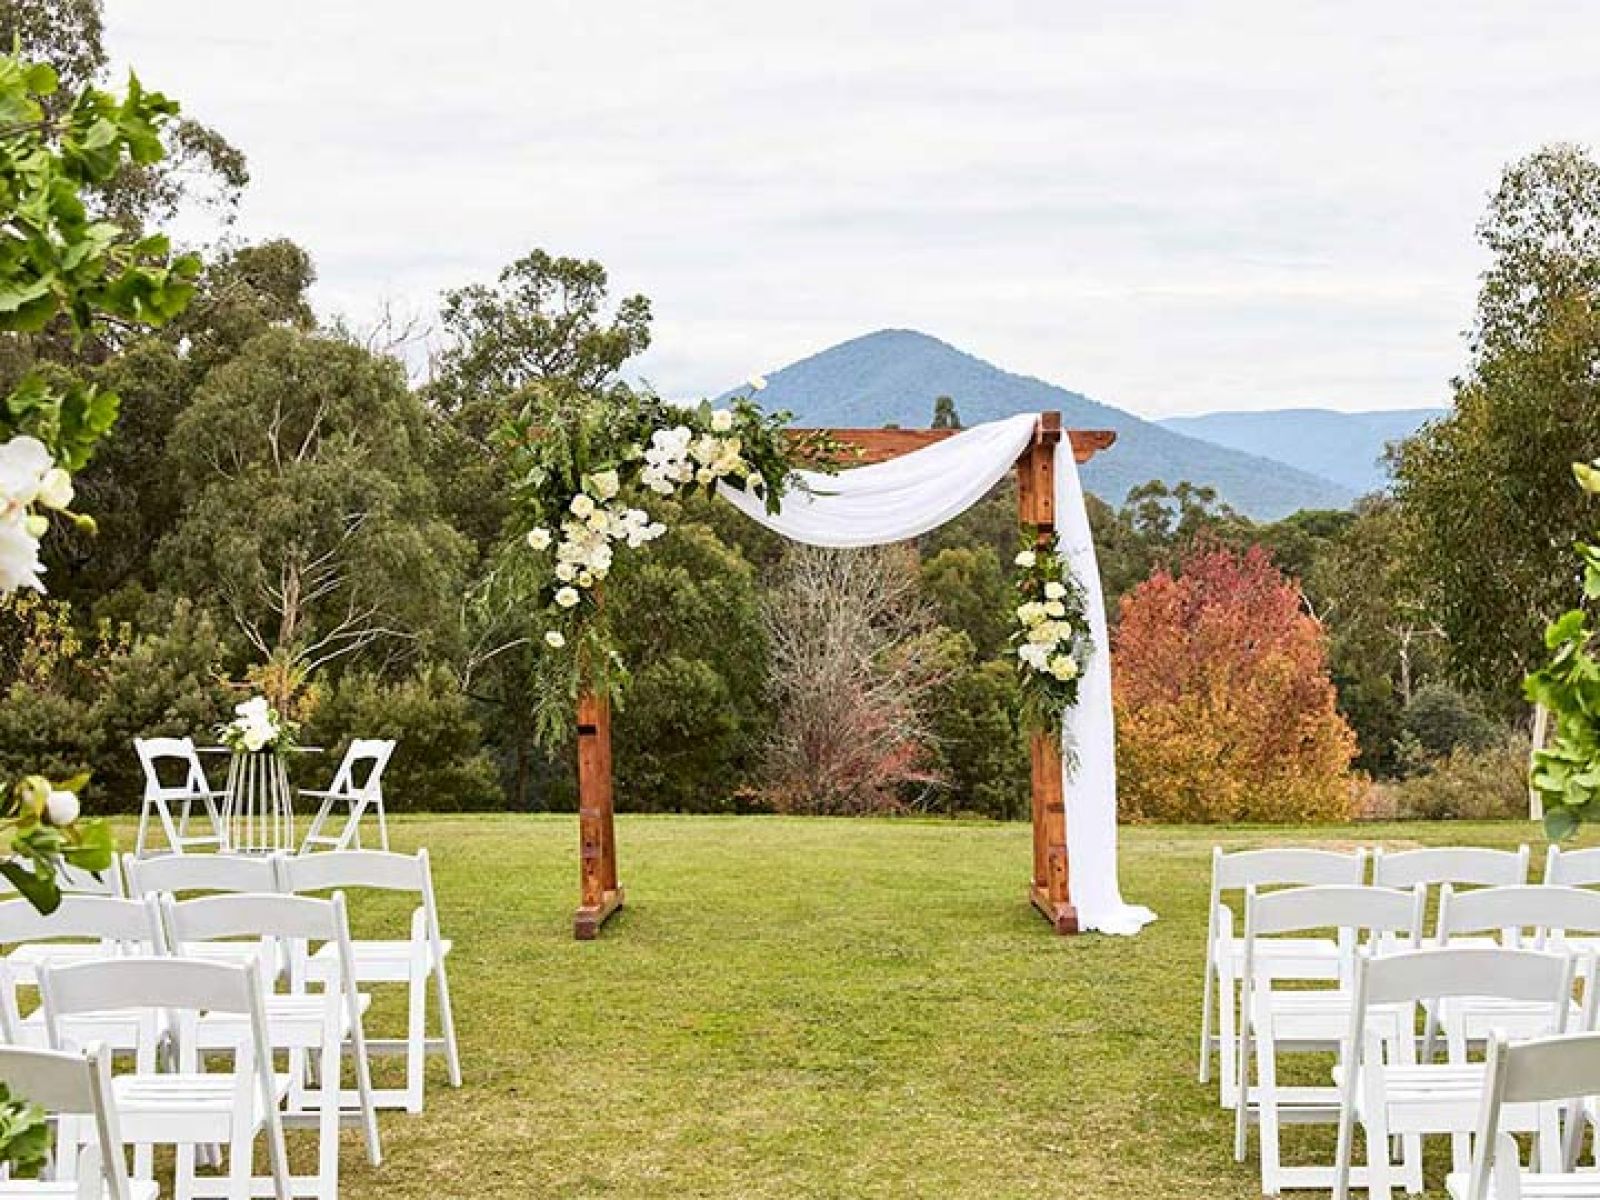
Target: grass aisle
{"points": [[818, 1008]]}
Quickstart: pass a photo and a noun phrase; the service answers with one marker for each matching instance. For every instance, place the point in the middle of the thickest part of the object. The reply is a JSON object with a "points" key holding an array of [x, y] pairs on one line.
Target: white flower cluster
{"points": [[254, 727], [1047, 640], [676, 457], [583, 551], [29, 477]]}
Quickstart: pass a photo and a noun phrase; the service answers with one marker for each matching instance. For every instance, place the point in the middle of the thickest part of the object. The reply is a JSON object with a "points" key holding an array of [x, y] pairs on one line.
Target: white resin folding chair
{"points": [[1307, 1020], [188, 874], [416, 961], [310, 1026], [366, 758], [1458, 866], [82, 929], [1295, 958], [74, 1087], [1386, 1091], [1545, 1071], [161, 796], [189, 1107]]}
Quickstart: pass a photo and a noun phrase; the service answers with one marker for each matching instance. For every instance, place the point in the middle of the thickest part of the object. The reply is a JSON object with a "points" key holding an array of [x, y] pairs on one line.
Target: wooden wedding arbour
{"points": [[603, 894]]}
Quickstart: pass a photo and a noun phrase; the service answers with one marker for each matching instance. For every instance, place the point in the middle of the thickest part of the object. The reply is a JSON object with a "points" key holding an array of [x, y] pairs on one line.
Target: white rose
{"points": [[605, 484], [20, 566], [1055, 591], [254, 708], [722, 420], [567, 597], [55, 491], [705, 475], [598, 521], [1026, 559], [1036, 657], [1055, 608], [586, 579], [61, 808], [539, 539], [758, 383], [555, 639], [582, 506], [566, 572], [1064, 667], [254, 739]]}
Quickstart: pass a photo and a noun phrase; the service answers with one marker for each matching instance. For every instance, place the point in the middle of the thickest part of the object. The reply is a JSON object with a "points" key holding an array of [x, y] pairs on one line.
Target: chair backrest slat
{"points": [[1538, 907], [104, 917], [65, 1083], [1574, 868], [371, 753], [153, 751], [379, 869], [1525, 975], [117, 984], [176, 873], [1554, 1068], [1458, 865], [1288, 867], [207, 918], [1338, 906]]}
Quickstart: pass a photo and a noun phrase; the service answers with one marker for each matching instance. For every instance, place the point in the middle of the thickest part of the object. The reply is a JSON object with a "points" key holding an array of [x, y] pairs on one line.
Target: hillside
{"points": [[894, 375], [1346, 447]]}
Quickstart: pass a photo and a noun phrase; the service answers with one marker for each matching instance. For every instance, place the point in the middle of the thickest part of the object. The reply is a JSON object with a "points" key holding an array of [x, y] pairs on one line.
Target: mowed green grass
{"points": [[794, 1007]]}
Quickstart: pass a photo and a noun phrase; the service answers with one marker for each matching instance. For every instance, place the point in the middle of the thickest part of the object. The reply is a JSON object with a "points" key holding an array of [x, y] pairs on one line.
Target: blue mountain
{"points": [[892, 377], [1346, 447]]}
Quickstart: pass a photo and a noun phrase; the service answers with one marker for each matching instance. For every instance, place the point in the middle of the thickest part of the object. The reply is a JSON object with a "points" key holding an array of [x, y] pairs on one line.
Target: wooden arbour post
{"points": [[1049, 890]]}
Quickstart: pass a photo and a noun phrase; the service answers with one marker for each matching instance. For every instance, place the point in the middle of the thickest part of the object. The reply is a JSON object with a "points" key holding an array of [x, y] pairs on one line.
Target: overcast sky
{"points": [[1173, 207]]}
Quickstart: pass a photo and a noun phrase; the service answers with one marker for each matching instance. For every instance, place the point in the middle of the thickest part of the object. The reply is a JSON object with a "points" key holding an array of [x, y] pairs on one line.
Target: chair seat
{"points": [[1287, 957], [1583, 1185], [67, 1189], [187, 1108], [293, 1022], [24, 962], [119, 1030], [379, 961]]}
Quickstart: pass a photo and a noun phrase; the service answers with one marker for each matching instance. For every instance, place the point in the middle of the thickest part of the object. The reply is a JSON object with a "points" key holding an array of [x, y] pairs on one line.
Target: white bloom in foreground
{"points": [[61, 808], [1055, 591], [55, 490], [758, 383], [605, 484], [705, 475], [582, 506], [1026, 559], [1031, 613], [1037, 657], [567, 597], [1064, 667], [253, 709], [24, 463], [20, 566], [566, 572], [255, 738], [722, 420], [1054, 608], [539, 539], [555, 639]]}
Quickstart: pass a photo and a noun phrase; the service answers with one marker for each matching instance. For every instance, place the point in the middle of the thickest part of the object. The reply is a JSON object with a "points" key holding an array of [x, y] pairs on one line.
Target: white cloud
{"points": [[1173, 206]]}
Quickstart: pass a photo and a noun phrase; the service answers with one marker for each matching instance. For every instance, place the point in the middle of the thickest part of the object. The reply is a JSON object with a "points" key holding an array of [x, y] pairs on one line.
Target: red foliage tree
{"points": [[1225, 710]]}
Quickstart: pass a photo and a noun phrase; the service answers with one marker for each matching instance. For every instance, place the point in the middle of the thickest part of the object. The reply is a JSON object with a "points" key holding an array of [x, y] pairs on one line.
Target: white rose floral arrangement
{"points": [[1050, 636], [591, 469], [257, 726]]}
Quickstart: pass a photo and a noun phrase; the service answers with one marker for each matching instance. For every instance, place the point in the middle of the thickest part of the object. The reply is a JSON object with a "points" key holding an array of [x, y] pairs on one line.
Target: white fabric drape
{"points": [[907, 496]]}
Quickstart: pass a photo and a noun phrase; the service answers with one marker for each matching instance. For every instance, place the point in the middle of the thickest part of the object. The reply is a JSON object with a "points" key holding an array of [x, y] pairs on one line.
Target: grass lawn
{"points": [[820, 1008]]}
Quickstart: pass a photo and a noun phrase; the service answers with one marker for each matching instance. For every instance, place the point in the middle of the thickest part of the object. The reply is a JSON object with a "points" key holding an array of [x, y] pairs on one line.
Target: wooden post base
{"points": [[1062, 916], [587, 920]]}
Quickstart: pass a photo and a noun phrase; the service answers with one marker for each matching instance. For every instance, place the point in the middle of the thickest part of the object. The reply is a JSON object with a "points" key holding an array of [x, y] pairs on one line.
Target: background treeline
{"points": [[319, 512]]}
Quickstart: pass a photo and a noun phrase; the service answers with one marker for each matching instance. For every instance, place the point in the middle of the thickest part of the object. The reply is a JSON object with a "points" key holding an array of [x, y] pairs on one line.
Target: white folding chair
{"points": [[75, 881], [189, 1107], [1295, 958], [1458, 866], [1306, 1020], [187, 874], [366, 758], [82, 929], [414, 961], [301, 1022], [1386, 1091], [1544, 1071], [160, 796], [74, 1087]]}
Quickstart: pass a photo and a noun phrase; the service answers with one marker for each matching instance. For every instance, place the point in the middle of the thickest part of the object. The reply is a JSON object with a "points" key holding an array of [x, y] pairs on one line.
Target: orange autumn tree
{"points": [[1225, 710]]}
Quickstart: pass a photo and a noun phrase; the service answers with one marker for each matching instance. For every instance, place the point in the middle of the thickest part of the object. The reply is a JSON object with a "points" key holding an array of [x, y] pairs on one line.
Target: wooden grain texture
{"points": [[880, 445], [597, 845]]}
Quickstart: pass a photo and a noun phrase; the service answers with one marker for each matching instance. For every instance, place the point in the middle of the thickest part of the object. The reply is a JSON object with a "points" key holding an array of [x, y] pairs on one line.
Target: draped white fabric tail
{"points": [[907, 496]]}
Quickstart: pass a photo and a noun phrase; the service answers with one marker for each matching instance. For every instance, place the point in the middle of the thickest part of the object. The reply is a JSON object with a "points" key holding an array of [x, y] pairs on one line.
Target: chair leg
{"points": [[416, 1040], [183, 1174], [1267, 1086], [315, 831], [383, 824], [1227, 1051], [140, 841], [328, 1125], [447, 1022], [1205, 1018], [369, 1107]]}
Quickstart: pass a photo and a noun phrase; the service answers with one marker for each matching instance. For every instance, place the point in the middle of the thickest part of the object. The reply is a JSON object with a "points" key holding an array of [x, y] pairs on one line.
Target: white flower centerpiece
{"points": [[1050, 637], [258, 810]]}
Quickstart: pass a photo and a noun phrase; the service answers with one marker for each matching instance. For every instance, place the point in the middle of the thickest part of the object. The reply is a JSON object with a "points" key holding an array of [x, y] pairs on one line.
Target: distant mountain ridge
{"points": [[1346, 447], [894, 375]]}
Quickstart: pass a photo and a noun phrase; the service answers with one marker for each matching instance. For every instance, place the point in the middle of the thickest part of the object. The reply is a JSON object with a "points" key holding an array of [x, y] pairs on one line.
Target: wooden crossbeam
{"points": [[880, 445]]}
